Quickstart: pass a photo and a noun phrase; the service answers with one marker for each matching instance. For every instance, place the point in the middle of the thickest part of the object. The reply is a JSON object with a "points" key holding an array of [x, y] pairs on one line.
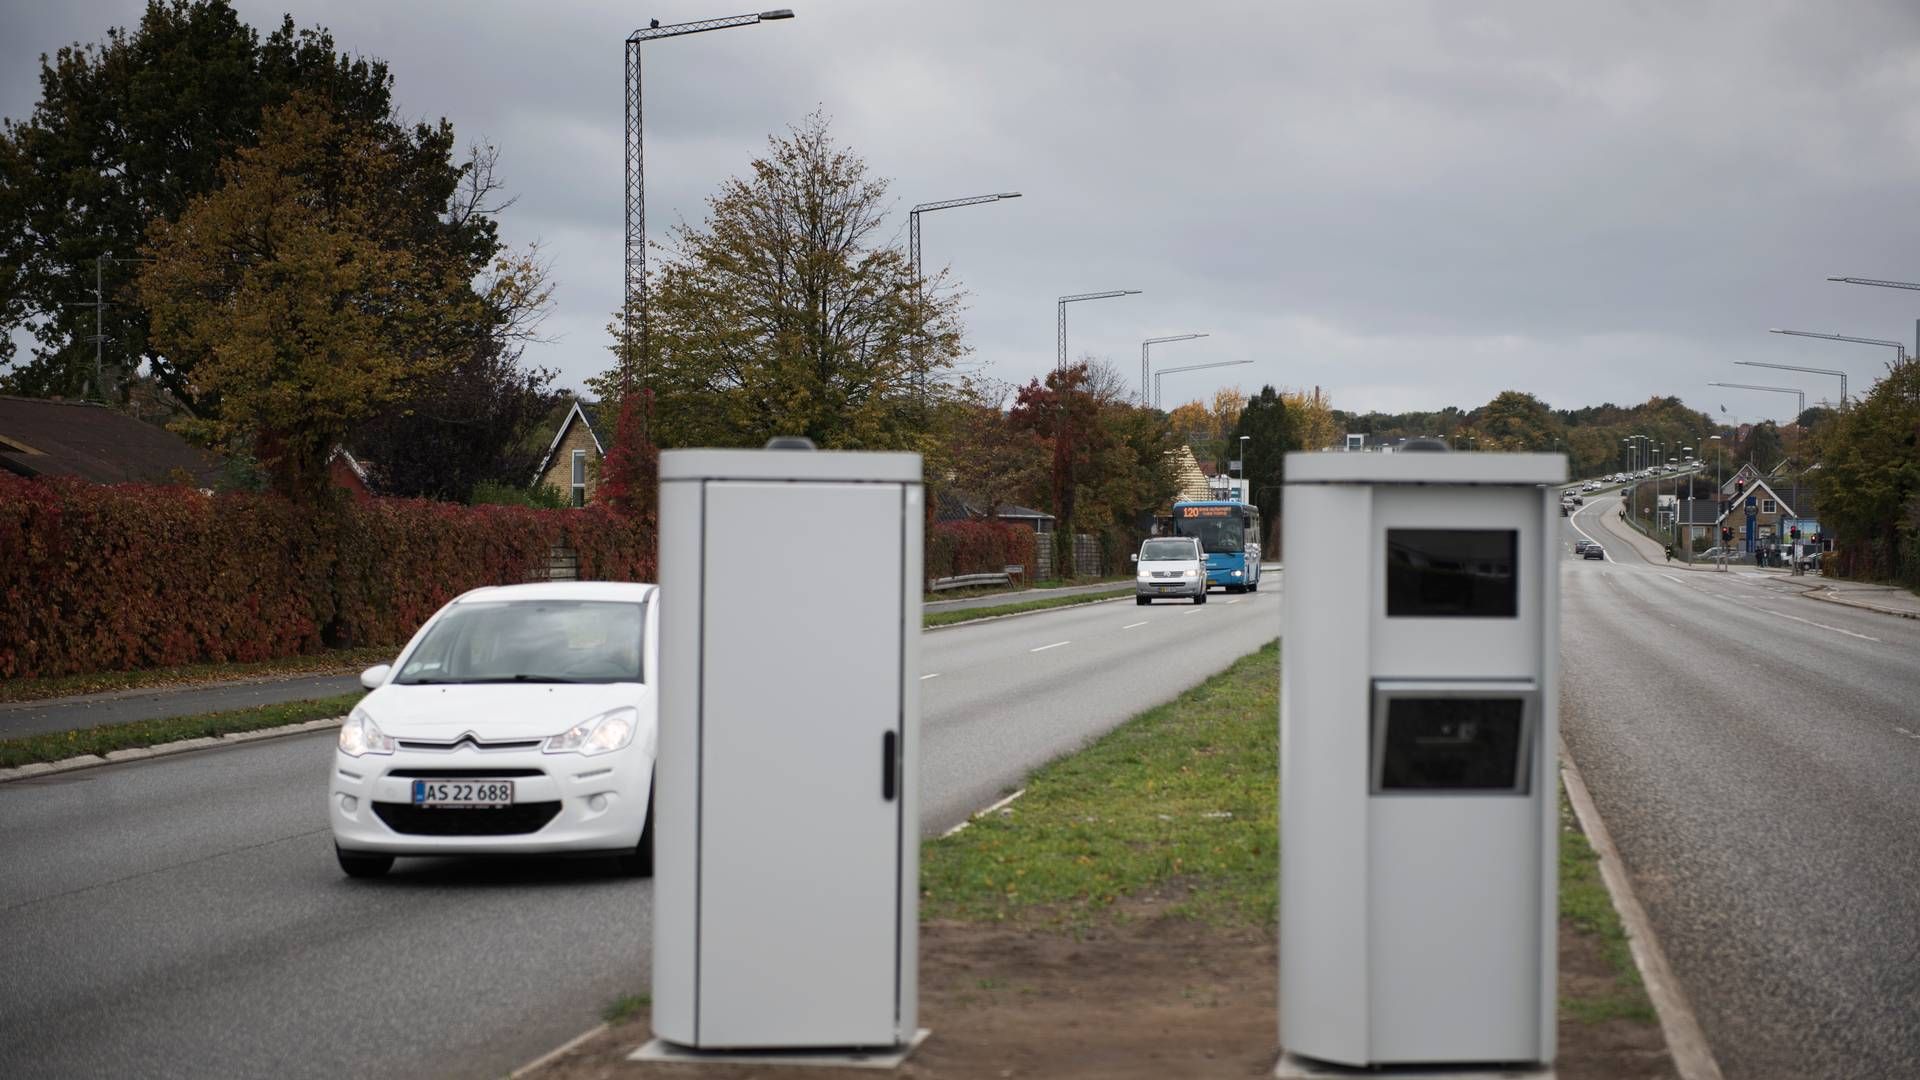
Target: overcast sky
{"points": [[1411, 205]]}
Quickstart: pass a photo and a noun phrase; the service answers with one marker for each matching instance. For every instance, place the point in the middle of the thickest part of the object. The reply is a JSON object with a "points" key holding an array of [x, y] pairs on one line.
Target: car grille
{"points": [[468, 739], [1166, 573], [465, 774], [516, 820]]}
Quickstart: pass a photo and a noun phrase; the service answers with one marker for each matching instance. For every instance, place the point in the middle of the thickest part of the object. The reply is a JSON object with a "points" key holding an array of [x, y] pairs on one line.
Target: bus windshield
{"points": [[1218, 535]]}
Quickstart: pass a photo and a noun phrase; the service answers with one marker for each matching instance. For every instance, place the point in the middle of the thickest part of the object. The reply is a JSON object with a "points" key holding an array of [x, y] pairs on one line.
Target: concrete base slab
{"points": [[885, 1058], [1294, 1067]]}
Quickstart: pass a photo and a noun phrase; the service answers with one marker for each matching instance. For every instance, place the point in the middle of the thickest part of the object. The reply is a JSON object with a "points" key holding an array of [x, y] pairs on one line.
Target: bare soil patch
{"points": [[1140, 996]]}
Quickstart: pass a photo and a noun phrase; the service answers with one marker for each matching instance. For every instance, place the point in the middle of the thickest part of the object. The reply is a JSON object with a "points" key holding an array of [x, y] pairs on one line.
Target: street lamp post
{"points": [[1189, 367], [1144, 346], [1885, 284], [1243, 467], [1899, 351], [635, 284], [1060, 329], [920, 277], [1719, 460], [1810, 370], [1800, 394]]}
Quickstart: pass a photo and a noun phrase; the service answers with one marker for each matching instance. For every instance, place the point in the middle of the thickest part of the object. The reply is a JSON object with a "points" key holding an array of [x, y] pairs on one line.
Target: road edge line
{"points": [[35, 769], [1686, 1042], [557, 1052], [983, 812]]}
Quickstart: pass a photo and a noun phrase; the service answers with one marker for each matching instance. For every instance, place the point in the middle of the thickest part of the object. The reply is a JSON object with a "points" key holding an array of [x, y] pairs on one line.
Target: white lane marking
{"points": [[1233, 601], [1055, 645], [1908, 734], [924, 678], [984, 812], [1673, 579], [1821, 625], [1195, 609], [1131, 625]]}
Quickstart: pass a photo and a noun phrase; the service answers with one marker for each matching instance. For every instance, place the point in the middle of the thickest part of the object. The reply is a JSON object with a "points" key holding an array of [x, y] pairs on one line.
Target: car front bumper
{"points": [[1169, 587], [562, 803]]}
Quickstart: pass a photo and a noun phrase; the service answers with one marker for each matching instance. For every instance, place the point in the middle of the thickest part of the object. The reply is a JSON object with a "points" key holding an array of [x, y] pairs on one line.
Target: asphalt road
{"points": [[1756, 756], [125, 706], [184, 917]]}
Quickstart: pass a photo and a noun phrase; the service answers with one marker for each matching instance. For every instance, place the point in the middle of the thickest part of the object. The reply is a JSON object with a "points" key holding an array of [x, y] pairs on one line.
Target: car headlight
{"points": [[360, 735], [601, 734]]}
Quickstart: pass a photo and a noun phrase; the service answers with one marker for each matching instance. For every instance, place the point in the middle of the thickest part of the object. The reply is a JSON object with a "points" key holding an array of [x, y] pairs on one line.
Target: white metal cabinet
{"points": [[786, 851]]}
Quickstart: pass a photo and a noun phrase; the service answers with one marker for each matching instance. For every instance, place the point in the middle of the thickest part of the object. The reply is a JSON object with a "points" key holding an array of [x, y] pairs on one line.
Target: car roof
{"points": [[632, 592]]}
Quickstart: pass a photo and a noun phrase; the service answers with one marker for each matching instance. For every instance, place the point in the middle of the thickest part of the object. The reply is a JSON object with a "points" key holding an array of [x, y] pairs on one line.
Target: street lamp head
{"points": [[1009, 195], [777, 13]]}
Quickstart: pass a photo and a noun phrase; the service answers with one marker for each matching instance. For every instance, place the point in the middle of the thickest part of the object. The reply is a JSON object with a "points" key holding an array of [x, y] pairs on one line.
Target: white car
{"points": [[1170, 566], [520, 720]]}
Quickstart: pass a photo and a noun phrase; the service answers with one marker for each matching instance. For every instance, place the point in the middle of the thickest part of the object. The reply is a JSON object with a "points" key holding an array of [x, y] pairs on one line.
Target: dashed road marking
{"points": [[1233, 601], [1195, 609], [1673, 579], [1131, 625], [934, 675], [1821, 625], [1055, 645], [1908, 734]]}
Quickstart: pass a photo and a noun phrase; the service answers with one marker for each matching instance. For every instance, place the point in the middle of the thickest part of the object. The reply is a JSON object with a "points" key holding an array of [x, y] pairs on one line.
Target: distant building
{"points": [[572, 462]]}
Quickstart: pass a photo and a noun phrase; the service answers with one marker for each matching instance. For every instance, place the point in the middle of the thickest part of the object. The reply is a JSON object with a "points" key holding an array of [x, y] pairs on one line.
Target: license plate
{"points": [[463, 793]]}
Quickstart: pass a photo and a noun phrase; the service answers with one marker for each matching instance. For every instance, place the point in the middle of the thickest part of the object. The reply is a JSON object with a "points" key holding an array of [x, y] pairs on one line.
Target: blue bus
{"points": [[1229, 533]]}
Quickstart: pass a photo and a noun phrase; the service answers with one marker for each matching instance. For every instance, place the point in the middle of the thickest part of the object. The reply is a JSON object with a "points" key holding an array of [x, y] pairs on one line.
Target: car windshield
{"points": [[1162, 550], [531, 641]]}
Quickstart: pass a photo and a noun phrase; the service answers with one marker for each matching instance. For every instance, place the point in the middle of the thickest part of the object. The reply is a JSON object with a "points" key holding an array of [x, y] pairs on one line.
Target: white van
{"points": [[1170, 566]]}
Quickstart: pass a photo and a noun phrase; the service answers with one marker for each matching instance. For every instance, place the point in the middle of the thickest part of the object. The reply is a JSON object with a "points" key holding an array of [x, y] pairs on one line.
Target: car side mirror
{"points": [[375, 675], [1136, 558]]}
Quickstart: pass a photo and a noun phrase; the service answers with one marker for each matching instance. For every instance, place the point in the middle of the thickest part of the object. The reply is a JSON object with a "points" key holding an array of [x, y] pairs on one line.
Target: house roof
{"points": [[950, 505], [1189, 481], [589, 414], [1698, 511], [45, 437]]}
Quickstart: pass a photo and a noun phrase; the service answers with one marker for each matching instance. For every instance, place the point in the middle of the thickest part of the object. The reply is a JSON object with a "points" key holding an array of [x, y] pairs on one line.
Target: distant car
{"points": [[1595, 551], [1170, 566], [1810, 562], [520, 720], [1581, 545], [1714, 554], [1579, 501]]}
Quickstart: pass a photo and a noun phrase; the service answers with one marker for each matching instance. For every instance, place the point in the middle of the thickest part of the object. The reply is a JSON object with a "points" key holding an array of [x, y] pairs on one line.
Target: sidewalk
{"points": [[1885, 599]]}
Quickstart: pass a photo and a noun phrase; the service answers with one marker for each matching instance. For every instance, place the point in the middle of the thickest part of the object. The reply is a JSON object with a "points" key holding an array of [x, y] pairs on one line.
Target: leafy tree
{"points": [[473, 421], [300, 293], [630, 473], [1270, 426], [987, 458], [781, 315], [127, 132], [1868, 484], [1762, 446], [1514, 421]]}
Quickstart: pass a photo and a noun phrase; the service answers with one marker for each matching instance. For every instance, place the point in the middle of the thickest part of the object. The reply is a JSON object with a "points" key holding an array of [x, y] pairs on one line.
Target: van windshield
{"points": [[1165, 550]]}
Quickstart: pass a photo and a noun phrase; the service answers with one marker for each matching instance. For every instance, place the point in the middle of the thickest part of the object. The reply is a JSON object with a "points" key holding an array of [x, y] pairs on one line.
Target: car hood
{"points": [[1164, 565], [498, 710]]}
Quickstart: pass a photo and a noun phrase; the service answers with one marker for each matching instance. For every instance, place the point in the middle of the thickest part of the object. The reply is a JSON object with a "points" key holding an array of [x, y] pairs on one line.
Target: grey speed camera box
{"points": [[786, 839], [1418, 721]]}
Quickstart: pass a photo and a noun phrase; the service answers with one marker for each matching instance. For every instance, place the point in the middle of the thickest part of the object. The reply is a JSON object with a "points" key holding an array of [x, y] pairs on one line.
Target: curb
{"points": [[1687, 1044], [1023, 614], [1813, 594], [558, 1052], [178, 746]]}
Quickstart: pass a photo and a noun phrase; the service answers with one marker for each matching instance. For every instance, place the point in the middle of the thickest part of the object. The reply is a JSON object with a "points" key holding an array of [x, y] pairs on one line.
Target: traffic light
{"points": [[1794, 533], [1726, 533]]}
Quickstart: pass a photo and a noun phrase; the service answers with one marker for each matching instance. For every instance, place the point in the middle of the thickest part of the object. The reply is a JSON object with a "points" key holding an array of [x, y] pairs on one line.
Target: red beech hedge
{"points": [[96, 578], [977, 547]]}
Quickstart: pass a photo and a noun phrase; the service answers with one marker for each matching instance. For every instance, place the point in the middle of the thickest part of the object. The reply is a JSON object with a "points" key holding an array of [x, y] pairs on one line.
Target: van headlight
{"points": [[601, 734], [360, 735]]}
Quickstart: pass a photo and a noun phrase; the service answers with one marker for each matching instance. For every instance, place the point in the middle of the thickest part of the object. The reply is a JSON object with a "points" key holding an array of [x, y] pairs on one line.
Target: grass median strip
{"points": [[340, 660], [948, 618], [59, 745], [1180, 804]]}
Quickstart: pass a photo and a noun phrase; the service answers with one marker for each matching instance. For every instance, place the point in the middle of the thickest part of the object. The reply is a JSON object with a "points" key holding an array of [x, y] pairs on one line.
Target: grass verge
{"points": [[1180, 803], [948, 618], [1043, 583], [55, 746], [1585, 903], [317, 664], [1178, 799]]}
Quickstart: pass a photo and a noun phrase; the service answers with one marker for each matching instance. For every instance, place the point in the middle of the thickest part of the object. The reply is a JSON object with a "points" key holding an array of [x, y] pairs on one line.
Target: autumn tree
{"points": [[126, 132], [302, 295], [1868, 484], [783, 312], [984, 455]]}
